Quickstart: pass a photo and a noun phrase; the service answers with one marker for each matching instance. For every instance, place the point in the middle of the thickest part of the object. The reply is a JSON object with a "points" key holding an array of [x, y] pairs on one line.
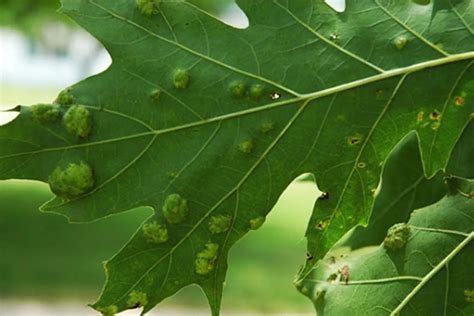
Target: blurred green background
{"points": [[45, 260]]}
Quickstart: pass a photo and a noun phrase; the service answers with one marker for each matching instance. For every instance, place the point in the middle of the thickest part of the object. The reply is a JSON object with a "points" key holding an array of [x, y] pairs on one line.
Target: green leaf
{"points": [[425, 269], [227, 118], [429, 274]]}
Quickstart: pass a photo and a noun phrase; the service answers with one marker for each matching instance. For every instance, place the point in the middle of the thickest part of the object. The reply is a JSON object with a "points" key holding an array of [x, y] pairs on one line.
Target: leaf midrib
{"points": [[304, 97]]}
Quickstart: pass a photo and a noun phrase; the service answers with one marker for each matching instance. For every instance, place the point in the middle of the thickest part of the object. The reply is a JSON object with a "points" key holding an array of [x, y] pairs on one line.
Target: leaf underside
{"points": [[431, 272], [227, 118]]}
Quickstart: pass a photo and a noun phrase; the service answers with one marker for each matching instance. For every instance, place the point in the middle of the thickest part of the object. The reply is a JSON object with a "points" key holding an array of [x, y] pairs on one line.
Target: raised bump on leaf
{"points": [[65, 97], [219, 224], [400, 41], [73, 181], [435, 125], [181, 78], [256, 91], [45, 113], [137, 299], [148, 7], [155, 232], [246, 147], [175, 208], [257, 222], [206, 260], [397, 236], [469, 295], [77, 121], [237, 89], [420, 117], [155, 95], [108, 311]]}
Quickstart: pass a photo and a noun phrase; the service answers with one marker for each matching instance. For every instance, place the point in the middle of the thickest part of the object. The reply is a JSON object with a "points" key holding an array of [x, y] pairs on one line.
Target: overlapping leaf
{"points": [[302, 89], [427, 274]]}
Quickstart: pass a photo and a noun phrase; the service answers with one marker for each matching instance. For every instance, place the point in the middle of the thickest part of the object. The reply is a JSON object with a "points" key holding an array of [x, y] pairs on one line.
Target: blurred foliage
{"points": [[29, 16]]}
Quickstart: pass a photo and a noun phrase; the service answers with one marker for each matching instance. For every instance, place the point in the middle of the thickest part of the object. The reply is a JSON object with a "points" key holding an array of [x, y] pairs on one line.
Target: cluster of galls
{"points": [[74, 179]]}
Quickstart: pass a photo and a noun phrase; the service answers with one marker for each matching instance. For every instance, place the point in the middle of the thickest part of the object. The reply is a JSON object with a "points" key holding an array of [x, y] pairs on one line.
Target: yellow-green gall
{"points": [[220, 224], [181, 78], [397, 236], [155, 95], [237, 89], [73, 181], [206, 260], [45, 113], [400, 42], [420, 116], [175, 208], [148, 7], [469, 296], [77, 121], [65, 97], [246, 147], [256, 91], [110, 310], [155, 232], [137, 299], [257, 222]]}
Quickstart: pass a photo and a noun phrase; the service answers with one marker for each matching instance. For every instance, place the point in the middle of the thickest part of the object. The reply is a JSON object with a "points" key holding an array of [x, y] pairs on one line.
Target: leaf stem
{"points": [[439, 230], [375, 281], [432, 273]]}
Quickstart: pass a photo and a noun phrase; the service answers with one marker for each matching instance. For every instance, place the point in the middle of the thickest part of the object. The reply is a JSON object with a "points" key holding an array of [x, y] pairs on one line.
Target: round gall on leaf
{"points": [[175, 208], [206, 260], [73, 181], [400, 42], [148, 7], [155, 233], [246, 147], [45, 113], [397, 236], [137, 299], [65, 97], [110, 310], [220, 224], [256, 91], [237, 89], [77, 121], [155, 95], [181, 79], [257, 222], [469, 295]]}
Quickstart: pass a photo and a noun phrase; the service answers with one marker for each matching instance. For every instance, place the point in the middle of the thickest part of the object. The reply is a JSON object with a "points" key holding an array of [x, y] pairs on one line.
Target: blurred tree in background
{"points": [[29, 16]]}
